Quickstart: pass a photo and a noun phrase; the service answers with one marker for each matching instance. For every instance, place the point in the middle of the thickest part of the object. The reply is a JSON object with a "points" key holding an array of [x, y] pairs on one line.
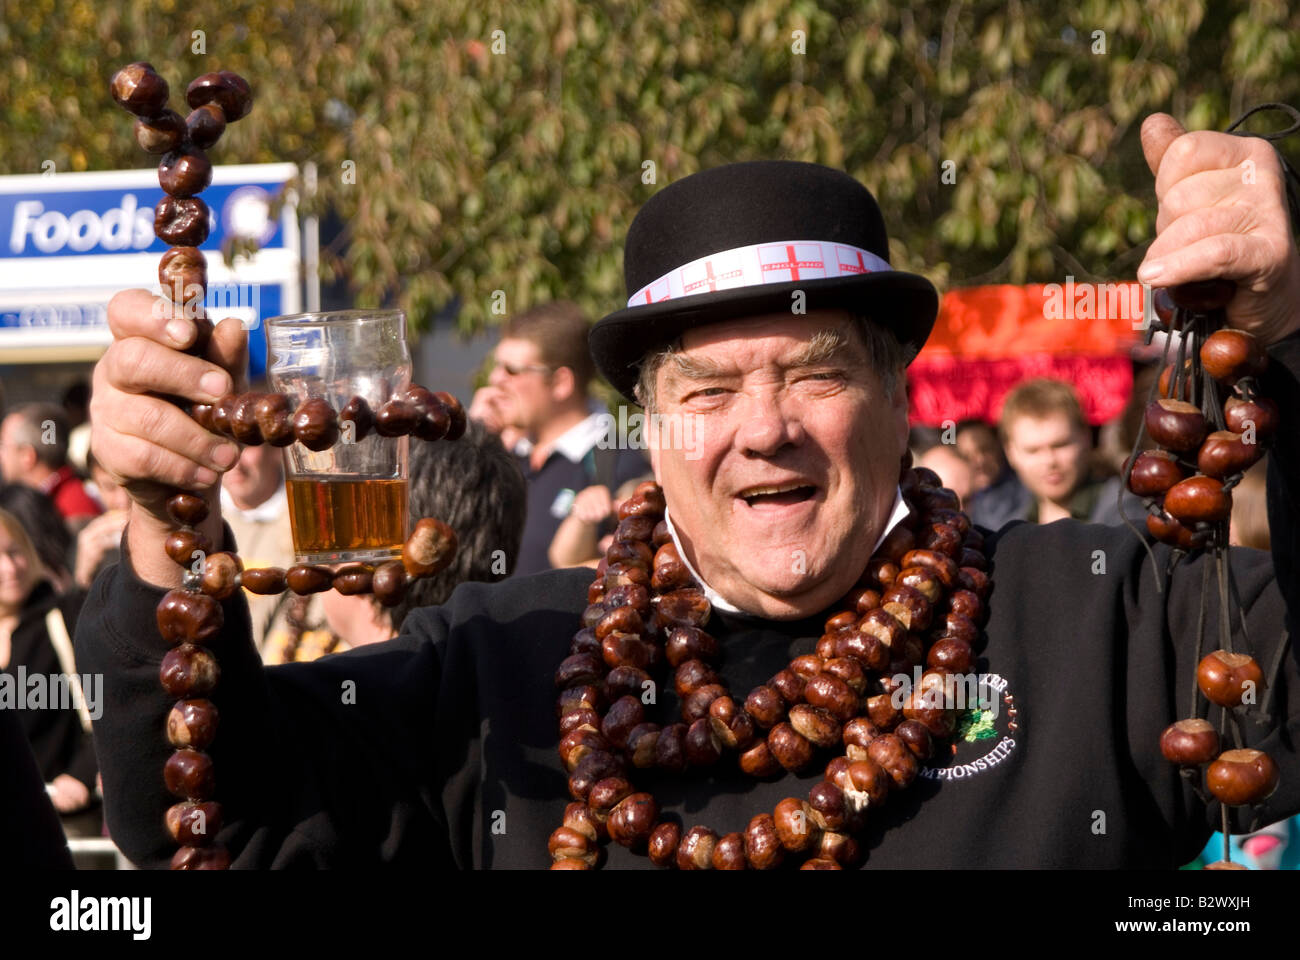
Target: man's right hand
{"points": [[148, 444]]}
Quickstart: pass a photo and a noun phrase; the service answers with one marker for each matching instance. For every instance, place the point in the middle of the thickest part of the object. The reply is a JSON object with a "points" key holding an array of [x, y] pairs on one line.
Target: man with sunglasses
{"points": [[539, 389]]}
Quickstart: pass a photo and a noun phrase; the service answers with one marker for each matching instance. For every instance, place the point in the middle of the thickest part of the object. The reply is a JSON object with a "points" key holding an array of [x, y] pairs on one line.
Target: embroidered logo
{"points": [[986, 734]]}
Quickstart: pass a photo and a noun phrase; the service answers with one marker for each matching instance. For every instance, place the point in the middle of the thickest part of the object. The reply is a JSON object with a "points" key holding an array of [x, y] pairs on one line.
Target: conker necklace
{"points": [[1205, 445], [920, 599], [191, 617]]}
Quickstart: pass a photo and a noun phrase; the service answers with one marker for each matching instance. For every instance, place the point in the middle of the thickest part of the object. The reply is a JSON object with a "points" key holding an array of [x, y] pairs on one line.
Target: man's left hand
{"points": [[1223, 213]]}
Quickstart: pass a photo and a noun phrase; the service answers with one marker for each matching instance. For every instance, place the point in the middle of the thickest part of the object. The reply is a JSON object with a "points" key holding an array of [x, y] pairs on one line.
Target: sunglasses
{"points": [[513, 371]]}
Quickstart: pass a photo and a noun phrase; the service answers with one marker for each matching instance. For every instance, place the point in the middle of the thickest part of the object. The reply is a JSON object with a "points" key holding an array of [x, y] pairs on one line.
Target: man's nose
{"points": [[497, 376], [767, 428]]}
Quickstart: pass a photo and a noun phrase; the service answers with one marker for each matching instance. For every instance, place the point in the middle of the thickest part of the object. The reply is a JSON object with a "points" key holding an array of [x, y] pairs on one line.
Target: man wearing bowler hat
{"points": [[762, 305]]}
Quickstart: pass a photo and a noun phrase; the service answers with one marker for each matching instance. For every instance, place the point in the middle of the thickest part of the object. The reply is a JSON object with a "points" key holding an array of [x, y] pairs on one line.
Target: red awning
{"points": [[988, 339]]}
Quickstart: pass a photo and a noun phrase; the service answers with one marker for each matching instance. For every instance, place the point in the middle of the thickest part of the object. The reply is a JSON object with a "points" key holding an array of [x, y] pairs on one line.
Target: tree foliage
{"points": [[515, 160]]}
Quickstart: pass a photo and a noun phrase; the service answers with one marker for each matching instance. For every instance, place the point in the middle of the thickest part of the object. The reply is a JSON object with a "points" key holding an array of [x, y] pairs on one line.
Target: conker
{"points": [[205, 125], [1189, 743], [695, 851], [1242, 776], [1224, 453], [1259, 416], [1154, 472], [181, 221], [274, 419], [430, 548], [188, 671], [192, 723], [1198, 500], [227, 90], [1225, 677], [185, 171], [1175, 424], [315, 425], [358, 412], [139, 88], [161, 133]]}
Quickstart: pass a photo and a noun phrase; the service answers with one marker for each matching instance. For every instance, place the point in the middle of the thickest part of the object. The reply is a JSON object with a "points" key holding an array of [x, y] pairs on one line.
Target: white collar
{"points": [[720, 603], [270, 510], [577, 441]]}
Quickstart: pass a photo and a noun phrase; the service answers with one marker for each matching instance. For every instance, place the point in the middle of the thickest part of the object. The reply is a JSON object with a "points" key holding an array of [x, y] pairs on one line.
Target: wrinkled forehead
{"points": [[743, 344]]}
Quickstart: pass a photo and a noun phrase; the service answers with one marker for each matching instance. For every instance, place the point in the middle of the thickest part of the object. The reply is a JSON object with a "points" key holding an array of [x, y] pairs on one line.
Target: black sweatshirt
{"points": [[58, 740], [439, 747]]}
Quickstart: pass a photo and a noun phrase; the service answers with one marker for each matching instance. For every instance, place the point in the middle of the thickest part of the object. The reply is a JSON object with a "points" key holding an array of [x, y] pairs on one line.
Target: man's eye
{"points": [[709, 392]]}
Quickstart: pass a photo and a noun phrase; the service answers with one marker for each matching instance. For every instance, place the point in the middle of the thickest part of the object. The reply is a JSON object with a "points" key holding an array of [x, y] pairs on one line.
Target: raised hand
{"points": [[1223, 213], [147, 443]]}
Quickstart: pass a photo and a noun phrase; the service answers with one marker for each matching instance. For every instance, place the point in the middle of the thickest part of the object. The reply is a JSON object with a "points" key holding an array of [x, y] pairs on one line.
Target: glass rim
{"points": [[319, 318]]}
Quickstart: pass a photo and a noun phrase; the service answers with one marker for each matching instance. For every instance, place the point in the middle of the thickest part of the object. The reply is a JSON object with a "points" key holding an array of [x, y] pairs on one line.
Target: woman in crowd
{"points": [[36, 623]]}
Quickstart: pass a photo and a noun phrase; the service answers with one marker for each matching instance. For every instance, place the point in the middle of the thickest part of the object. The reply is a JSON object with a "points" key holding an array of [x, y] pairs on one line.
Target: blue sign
{"points": [[69, 241]]}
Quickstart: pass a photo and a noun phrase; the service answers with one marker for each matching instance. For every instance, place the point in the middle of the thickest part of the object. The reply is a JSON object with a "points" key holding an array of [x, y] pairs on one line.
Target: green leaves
{"points": [[478, 170]]}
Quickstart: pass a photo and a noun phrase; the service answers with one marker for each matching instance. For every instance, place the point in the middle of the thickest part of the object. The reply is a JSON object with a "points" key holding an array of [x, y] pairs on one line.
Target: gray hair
{"points": [[887, 357]]}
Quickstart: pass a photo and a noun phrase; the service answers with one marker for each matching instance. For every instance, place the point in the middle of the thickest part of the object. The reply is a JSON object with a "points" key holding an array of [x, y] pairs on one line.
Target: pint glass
{"points": [[348, 502]]}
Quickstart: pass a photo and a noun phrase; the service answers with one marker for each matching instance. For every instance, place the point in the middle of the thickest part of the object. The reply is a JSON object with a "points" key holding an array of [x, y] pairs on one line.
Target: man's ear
{"points": [[28, 455], [563, 384]]}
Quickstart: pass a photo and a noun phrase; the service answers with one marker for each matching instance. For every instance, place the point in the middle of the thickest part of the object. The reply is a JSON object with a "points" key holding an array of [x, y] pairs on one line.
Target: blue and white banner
{"points": [[69, 241]]}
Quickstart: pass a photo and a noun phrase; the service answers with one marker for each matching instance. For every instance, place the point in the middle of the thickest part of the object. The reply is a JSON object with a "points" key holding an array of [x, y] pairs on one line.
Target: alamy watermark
{"points": [[54, 691], [1099, 301], [670, 431]]}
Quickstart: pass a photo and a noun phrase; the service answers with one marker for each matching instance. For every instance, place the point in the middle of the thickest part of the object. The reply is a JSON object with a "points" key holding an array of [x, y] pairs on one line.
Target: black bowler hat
{"points": [[740, 239]]}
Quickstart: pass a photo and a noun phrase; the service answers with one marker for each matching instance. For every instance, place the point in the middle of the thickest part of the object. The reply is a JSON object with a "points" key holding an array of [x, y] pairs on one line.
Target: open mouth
{"points": [[781, 495]]}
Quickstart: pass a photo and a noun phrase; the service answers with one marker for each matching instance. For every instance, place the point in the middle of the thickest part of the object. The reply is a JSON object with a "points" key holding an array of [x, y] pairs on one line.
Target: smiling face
{"points": [[793, 463]]}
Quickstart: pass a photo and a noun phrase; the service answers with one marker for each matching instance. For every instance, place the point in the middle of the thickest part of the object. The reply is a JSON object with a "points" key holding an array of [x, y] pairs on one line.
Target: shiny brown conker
{"points": [[274, 419], [1225, 677], [315, 424], [192, 723], [264, 580], [1175, 424], [1154, 472], [396, 418], [353, 579], [306, 578], [1240, 777], [227, 90], [389, 583], [358, 413], [1189, 743], [205, 125], [429, 549], [181, 221], [188, 671], [1198, 500], [1224, 453], [189, 617], [1228, 355], [187, 508], [185, 171], [161, 133], [243, 420], [139, 88], [1258, 417], [189, 774]]}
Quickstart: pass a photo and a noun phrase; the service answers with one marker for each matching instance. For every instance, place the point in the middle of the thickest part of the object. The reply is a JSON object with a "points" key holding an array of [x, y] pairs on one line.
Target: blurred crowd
{"points": [[535, 483]]}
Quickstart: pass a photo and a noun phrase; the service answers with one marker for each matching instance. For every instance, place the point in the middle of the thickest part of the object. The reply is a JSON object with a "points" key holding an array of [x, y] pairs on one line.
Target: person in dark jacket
{"points": [[446, 754], [35, 683], [1048, 443]]}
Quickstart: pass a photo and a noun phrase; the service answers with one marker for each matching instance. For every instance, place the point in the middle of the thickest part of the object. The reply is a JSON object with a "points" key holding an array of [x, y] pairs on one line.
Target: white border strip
{"points": [[777, 261]]}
